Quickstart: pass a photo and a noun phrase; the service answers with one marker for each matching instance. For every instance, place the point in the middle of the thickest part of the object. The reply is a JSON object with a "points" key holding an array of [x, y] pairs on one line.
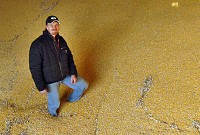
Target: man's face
{"points": [[53, 28]]}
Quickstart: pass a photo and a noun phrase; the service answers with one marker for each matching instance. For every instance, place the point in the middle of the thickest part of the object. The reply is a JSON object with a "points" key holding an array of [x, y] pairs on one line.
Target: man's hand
{"points": [[73, 79], [45, 91]]}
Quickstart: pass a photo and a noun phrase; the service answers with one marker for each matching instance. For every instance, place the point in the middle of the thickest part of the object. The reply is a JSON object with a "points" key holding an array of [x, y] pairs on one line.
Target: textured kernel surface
{"points": [[141, 59]]}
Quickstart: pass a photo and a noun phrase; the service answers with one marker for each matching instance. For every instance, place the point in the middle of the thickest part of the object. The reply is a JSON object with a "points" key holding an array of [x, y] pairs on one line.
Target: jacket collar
{"points": [[47, 34]]}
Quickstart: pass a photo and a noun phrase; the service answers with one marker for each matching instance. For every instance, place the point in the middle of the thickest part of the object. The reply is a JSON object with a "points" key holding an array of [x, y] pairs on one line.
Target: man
{"points": [[51, 63]]}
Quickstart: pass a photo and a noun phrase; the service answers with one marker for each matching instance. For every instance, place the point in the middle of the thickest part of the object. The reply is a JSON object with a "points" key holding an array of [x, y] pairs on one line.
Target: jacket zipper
{"points": [[58, 58]]}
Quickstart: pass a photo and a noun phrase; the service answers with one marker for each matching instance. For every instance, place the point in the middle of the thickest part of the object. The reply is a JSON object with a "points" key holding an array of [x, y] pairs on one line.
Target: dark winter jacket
{"points": [[50, 60]]}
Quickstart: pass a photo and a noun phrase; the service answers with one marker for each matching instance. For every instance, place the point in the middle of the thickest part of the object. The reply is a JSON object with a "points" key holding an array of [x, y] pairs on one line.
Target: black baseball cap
{"points": [[51, 19]]}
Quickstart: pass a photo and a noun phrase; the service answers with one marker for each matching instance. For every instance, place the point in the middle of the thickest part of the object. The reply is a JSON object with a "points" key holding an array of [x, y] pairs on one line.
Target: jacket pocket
{"points": [[63, 50]]}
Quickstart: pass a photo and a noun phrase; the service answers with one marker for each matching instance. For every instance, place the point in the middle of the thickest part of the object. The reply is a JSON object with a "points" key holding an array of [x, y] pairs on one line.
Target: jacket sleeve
{"points": [[36, 65]]}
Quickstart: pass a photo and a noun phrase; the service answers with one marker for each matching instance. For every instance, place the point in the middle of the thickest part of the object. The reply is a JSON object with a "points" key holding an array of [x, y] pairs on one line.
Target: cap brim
{"points": [[55, 21]]}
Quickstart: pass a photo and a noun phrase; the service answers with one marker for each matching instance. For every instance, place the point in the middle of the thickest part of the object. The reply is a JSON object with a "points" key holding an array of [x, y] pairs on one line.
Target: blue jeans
{"points": [[53, 95]]}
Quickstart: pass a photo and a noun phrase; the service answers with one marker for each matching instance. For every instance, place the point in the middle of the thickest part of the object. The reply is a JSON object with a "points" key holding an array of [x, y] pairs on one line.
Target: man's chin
{"points": [[54, 33]]}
